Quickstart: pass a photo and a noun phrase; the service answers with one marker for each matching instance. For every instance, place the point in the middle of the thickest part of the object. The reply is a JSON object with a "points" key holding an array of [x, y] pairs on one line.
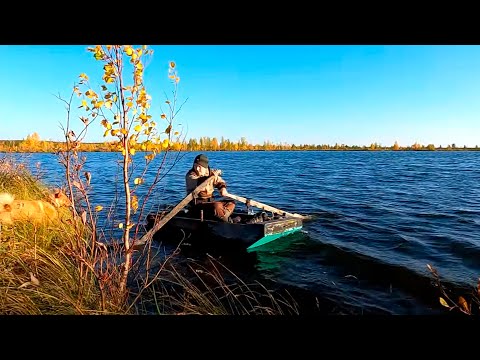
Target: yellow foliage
{"points": [[443, 302], [134, 203], [463, 304]]}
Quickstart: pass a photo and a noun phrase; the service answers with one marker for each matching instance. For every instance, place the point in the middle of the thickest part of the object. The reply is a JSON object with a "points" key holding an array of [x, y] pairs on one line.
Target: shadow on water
{"points": [[346, 273], [249, 266]]}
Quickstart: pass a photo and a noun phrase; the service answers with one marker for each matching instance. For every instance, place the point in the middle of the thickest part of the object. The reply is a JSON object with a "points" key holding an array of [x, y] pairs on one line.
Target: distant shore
{"points": [[35, 145]]}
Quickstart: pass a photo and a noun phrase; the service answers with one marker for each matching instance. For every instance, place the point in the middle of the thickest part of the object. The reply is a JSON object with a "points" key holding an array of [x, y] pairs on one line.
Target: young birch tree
{"points": [[123, 106]]}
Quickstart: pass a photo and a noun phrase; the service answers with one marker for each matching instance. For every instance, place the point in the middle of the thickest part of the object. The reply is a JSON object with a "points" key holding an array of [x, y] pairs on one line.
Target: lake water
{"points": [[379, 219]]}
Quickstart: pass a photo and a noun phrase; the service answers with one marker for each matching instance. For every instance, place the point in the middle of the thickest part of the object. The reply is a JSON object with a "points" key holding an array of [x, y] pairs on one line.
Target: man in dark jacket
{"points": [[216, 210]]}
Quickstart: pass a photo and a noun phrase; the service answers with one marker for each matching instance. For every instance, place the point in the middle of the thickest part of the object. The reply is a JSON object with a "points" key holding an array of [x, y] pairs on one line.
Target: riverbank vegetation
{"points": [[33, 143]]}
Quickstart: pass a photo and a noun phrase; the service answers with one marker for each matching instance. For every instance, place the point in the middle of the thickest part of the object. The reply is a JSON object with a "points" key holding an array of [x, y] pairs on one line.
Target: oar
{"points": [[266, 207], [149, 235]]}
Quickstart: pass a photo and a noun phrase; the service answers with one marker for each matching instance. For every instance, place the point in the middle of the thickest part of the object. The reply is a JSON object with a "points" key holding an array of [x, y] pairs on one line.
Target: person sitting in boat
{"points": [[212, 209]]}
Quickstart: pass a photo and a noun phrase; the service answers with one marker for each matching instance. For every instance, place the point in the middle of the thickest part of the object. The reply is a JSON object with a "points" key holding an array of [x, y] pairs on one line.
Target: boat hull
{"points": [[248, 235]]}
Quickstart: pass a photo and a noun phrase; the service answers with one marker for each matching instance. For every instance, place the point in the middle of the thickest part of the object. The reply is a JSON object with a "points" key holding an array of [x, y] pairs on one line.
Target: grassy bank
{"points": [[56, 268]]}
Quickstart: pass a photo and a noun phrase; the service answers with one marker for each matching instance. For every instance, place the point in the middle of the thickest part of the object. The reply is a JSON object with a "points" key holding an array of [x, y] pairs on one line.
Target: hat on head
{"points": [[201, 160]]}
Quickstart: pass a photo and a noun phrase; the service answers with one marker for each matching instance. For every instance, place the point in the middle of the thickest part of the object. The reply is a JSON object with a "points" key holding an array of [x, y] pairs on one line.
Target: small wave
{"points": [[435, 215]]}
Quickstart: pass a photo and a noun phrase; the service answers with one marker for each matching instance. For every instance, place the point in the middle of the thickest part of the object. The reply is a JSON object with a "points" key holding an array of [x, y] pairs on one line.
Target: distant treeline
{"points": [[32, 143]]}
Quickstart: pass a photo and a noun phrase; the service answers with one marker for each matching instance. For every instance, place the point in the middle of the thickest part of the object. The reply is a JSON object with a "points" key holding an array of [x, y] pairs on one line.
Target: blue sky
{"points": [[316, 94]]}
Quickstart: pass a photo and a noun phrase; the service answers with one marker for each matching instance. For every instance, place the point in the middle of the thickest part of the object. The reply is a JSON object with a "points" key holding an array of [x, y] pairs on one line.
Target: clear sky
{"points": [[314, 94]]}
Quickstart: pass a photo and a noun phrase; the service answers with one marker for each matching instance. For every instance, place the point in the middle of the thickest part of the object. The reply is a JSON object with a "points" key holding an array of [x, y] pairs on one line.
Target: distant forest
{"points": [[33, 143]]}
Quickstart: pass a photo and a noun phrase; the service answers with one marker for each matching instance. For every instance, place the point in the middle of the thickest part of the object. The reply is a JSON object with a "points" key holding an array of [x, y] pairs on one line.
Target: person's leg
{"points": [[223, 209]]}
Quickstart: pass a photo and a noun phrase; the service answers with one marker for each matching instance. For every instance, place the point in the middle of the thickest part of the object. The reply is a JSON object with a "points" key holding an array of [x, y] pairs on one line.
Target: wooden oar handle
{"points": [[250, 202]]}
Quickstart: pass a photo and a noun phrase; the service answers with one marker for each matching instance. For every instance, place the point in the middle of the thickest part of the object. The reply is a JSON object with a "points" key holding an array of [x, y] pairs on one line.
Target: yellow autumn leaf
{"points": [[109, 126], [83, 76], [129, 51], [134, 201], [109, 80], [176, 133], [124, 131], [172, 64], [120, 226], [137, 128], [98, 208], [138, 181], [132, 151], [106, 133], [443, 302], [163, 116], [84, 103], [108, 104], [144, 147], [463, 304], [129, 104], [123, 152], [165, 143]]}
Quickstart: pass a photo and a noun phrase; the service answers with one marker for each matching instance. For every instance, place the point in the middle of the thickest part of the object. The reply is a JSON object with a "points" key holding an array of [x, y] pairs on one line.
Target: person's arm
{"points": [[219, 183]]}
